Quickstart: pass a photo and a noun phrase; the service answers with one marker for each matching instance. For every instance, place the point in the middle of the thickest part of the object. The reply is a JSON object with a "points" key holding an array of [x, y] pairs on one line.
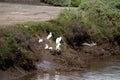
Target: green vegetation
{"points": [[100, 17], [14, 50], [58, 2], [74, 3]]}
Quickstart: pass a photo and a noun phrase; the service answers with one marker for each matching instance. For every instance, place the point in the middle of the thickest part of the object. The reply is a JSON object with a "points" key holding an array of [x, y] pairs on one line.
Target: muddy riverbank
{"points": [[29, 56], [69, 60], [105, 69]]}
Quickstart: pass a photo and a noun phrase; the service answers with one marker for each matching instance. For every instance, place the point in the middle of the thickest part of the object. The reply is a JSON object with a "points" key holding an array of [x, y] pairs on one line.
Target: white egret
{"points": [[50, 48], [86, 44], [56, 77], [49, 35], [46, 46], [40, 40], [58, 40], [93, 44], [90, 45], [26, 26], [58, 46]]}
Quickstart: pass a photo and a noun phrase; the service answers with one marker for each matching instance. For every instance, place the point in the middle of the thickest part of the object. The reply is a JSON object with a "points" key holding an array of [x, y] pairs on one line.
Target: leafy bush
{"points": [[101, 17], [76, 34], [68, 16], [75, 3], [13, 48], [58, 2]]}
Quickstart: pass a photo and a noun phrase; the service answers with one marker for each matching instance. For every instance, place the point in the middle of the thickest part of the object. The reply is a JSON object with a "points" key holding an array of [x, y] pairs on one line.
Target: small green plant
{"points": [[28, 28], [12, 50], [75, 3], [68, 16]]}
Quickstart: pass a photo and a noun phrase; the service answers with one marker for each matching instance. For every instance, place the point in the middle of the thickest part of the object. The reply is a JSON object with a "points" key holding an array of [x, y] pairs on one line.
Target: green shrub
{"points": [[75, 3], [68, 16], [13, 48], [101, 17], [30, 29], [58, 2]]}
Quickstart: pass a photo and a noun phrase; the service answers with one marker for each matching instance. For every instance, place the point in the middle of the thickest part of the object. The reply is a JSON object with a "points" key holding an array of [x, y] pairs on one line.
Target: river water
{"points": [[106, 69]]}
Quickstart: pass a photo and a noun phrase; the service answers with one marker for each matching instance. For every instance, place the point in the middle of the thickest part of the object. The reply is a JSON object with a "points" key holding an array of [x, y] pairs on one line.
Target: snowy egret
{"points": [[93, 44], [90, 45], [49, 36], [40, 40], [50, 48], [86, 44], [46, 46], [56, 77], [58, 46], [26, 26], [58, 40]]}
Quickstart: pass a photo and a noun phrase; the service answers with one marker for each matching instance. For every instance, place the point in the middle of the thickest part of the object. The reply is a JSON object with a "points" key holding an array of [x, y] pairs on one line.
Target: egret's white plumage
{"points": [[40, 40], [26, 26], [58, 40], [93, 44], [50, 48], [56, 77], [49, 35], [90, 45], [86, 44], [58, 46], [46, 46]]}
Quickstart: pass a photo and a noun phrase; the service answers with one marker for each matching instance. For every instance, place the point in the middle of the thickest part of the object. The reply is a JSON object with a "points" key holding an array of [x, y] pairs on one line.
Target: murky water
{"points": [[107, 69]]}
